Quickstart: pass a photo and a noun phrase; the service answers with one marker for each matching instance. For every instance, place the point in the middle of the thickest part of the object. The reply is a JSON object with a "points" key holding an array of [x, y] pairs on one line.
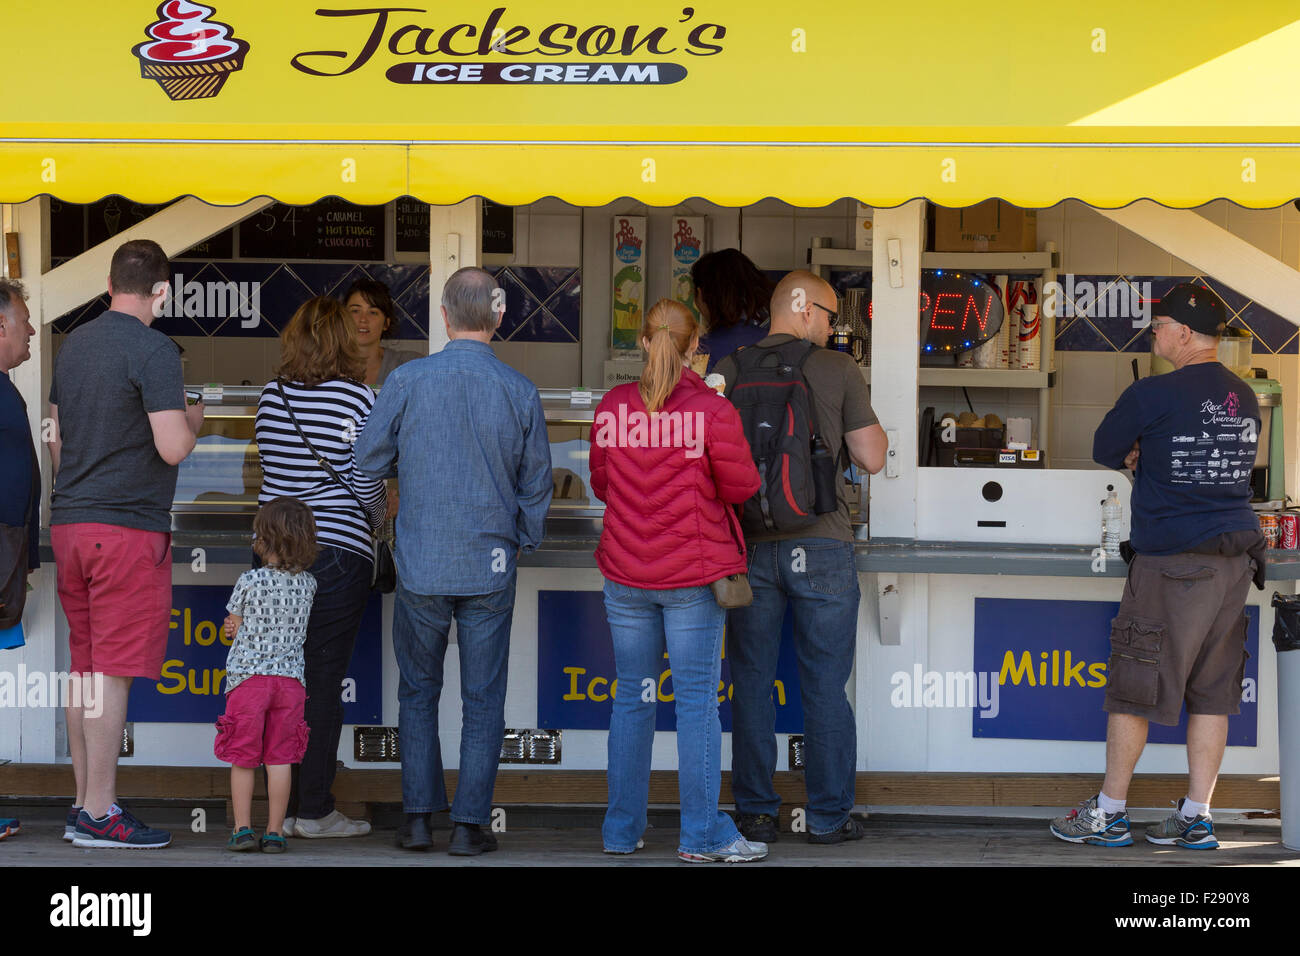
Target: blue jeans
{"points": [[819, 577], [686, 622], [420, 626]]}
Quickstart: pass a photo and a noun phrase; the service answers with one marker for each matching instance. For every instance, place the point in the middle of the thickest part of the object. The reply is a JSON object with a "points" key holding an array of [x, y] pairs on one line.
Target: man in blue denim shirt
{"points": [[466, 437]]}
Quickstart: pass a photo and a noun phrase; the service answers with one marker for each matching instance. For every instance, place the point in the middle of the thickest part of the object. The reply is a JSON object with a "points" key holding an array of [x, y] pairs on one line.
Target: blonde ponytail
{"points": [[670, 328]]}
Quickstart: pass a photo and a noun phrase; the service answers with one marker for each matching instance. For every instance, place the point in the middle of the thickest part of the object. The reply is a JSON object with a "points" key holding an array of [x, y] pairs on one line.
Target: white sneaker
{"points": [[287, 828], [334, 824], [739, 851]]}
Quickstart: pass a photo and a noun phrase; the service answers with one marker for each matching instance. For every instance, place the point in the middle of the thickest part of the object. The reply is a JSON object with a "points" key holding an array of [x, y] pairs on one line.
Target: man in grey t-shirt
{"points": [[813, 569], [121, 428]]}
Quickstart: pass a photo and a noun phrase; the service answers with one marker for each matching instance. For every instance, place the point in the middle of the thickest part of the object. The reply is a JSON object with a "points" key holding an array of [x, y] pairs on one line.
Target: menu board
{"points": [[412, 222], [328, 229], [67, 229], [114, 214], [498, 228], [220, 246]]}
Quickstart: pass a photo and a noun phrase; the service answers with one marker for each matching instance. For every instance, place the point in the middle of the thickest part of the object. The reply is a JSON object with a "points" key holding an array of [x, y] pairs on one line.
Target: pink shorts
{"points": [[263, 723], [115, 585]]}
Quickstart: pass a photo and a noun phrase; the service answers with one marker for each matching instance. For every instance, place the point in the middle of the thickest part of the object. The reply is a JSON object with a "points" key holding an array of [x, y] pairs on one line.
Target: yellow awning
{"points": [[729, 101]]}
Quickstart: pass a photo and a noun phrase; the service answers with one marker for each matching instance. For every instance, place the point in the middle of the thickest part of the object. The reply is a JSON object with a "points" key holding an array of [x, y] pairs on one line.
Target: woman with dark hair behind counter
{"points": [[370, 307], [732, 296]]}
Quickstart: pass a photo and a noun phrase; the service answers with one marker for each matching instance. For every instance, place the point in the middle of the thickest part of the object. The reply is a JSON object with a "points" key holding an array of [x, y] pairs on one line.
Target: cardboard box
{"points": [[990, 226]]}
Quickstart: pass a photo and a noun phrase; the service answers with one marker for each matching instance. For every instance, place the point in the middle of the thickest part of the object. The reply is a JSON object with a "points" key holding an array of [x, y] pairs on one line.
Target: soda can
{"points": [[1271, 526], [1289, 530]]}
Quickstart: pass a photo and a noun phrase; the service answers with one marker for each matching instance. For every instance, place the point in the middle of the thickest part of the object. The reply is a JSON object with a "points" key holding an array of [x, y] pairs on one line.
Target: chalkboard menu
{"points": [[498, 228], [220, 246], [67, 229], [113, 214], [412, 221], [327, 229]]}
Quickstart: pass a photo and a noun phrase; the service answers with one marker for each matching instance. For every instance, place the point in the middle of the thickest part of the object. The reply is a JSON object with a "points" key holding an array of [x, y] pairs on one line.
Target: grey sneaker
{"points": [[1176, 830], [1088, 824], [333, 824], [738, 851], [287, 827]]}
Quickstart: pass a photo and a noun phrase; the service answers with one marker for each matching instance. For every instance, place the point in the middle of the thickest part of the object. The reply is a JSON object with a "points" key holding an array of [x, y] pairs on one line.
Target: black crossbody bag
{"points": [[384, 579]]}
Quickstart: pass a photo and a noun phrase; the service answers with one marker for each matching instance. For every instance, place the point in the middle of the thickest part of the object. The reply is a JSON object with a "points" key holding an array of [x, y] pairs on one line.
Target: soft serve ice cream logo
{"points": [[190, 55]]}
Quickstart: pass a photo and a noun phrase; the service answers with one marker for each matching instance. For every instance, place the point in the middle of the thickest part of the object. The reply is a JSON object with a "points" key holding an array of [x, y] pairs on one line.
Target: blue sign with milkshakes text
{"points": [[576, 678], [192, 688], [1049, 661]]}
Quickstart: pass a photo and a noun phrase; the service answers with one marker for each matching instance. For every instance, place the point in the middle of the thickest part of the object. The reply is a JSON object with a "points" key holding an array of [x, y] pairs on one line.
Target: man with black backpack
{"points": [[802, 406]]}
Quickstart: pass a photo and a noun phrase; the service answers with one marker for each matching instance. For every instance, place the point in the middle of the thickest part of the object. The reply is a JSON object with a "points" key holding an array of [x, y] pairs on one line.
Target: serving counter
{"points": [[971, 656]]}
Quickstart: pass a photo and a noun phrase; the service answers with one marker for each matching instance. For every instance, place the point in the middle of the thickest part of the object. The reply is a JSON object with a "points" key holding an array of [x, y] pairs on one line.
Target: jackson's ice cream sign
{"points": [[191, 55]]}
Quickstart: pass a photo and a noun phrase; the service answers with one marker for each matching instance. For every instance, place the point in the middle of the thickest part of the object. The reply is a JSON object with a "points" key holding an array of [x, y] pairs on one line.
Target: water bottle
{"points": [[1112, 518]]}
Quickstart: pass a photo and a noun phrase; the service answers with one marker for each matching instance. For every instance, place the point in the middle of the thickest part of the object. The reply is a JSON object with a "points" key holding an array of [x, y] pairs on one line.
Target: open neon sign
{"points": [[958, 312]]}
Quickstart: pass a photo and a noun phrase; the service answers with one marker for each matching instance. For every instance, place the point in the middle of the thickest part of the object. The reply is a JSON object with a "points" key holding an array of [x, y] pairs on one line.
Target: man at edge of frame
{"points": [[1180, 633]]}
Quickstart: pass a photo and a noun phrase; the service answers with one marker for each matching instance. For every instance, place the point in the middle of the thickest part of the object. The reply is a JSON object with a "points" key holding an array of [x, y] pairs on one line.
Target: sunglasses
{"points": [[830, 312]]}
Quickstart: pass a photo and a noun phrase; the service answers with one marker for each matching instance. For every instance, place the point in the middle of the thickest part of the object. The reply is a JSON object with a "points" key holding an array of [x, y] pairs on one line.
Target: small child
{"points": [[265, 687]]}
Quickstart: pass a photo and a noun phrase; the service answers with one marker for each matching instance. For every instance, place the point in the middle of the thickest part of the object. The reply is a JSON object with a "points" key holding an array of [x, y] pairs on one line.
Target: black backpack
{"points": [[779, 414]]}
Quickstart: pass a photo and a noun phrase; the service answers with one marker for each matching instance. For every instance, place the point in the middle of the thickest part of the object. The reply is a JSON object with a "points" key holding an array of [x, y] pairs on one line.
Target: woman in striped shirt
{"points": [[320, 377]]}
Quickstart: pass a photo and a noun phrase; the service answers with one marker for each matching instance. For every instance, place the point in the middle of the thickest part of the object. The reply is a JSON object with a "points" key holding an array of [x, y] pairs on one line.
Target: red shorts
{"points": [[115, 585], [263, 723]]}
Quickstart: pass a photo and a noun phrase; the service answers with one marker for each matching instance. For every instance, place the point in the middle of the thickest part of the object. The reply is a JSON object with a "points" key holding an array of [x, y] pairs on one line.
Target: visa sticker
{"points": [[1006, 458]]}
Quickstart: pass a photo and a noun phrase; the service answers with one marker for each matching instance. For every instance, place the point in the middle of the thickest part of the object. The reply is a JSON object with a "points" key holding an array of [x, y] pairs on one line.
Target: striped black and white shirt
{"points": [[332, 414]]}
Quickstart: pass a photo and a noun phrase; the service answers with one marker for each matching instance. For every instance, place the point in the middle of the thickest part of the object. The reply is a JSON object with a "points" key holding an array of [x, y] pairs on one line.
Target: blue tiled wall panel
{"points": [[543, 303], [1089, 332]]}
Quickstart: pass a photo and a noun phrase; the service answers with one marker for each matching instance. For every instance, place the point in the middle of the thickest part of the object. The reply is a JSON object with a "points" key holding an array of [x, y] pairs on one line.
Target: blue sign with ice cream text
{"points": [[576, 678], [1048, 660], [192, 688]]}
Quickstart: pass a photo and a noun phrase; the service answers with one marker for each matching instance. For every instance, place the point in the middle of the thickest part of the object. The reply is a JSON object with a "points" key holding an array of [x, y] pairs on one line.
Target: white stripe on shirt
{"points": [[332, 415]]}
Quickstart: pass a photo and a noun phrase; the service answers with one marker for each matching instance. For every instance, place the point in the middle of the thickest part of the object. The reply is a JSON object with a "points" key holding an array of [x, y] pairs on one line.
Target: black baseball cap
{"points": [[1194, 306]]}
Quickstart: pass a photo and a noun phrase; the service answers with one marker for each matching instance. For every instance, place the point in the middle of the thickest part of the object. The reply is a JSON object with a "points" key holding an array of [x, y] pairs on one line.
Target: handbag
{"points": [[732, 591], [384, 578]]}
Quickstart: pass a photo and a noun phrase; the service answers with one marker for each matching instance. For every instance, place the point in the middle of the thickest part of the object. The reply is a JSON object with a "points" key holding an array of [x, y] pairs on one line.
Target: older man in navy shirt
{"points": [[1179, 637], [466, 437], [20, 479]]}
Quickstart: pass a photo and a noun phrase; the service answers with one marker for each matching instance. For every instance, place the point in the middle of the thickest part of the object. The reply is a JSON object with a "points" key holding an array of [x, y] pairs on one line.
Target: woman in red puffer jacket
{"points": [[669, 459]]}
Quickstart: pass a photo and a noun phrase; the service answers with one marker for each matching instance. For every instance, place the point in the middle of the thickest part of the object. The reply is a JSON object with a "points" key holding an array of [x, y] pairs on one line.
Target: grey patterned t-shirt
{"points": [[275, 606]]}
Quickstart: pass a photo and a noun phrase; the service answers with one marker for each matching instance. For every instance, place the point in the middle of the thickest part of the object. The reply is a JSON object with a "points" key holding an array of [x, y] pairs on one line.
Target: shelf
{"points": [[841, 258], [979, 377], [1011, 262]]}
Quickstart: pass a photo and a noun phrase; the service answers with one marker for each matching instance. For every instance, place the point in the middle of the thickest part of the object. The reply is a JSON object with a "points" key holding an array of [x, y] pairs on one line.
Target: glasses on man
{"points": [[831, 313], [1155, 325]]}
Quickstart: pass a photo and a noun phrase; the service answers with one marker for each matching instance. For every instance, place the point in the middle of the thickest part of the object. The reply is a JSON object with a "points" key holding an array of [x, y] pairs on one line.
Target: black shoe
{"points": [[468, 839], [852, 830], [757, 827], [414, 834]]}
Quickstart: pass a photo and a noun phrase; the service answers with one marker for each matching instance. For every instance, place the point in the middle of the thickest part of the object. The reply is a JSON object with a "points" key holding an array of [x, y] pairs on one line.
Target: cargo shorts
{"points": [[1180, 636]]}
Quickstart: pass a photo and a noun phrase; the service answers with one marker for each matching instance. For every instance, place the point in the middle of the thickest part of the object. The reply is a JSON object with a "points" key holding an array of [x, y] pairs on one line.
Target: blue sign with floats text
{"points": [[576, 674], [192, 688], [1049, 660]]}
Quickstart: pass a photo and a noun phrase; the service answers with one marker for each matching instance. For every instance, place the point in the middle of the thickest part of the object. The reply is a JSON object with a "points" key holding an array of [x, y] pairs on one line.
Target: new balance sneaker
{"points": [[738, 851], [758, 827], [120, 829], [1176, 830], [70, 824], [8, 827], [1088, 824]]}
